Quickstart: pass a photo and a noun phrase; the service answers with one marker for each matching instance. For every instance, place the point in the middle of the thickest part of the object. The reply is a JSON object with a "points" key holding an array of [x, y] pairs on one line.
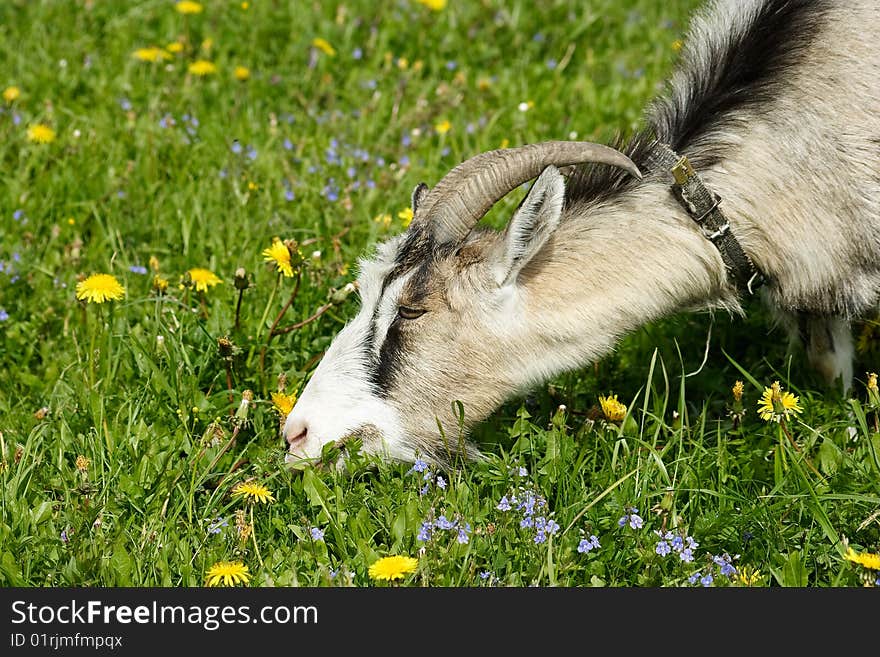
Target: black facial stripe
{"points": [[390, 360]]}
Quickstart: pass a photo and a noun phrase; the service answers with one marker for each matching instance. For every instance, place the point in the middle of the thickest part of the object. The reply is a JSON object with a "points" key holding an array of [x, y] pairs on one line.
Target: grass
{"points": [[151, 161]]}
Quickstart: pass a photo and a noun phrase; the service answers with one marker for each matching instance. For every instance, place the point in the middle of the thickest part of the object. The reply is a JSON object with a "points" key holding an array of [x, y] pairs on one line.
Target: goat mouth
{"points": [[368, 435]]}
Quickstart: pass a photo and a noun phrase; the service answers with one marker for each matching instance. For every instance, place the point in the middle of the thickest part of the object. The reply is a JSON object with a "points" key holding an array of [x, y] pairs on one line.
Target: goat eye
{"points": [[409, 313]]}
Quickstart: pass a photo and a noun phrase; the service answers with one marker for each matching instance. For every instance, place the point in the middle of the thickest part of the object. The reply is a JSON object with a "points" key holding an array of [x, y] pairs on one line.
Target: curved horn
{"points": [[465, 194]]}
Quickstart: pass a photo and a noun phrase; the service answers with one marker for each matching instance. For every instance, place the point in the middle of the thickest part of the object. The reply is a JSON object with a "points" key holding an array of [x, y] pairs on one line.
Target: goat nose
{"points": [[296, 431]]}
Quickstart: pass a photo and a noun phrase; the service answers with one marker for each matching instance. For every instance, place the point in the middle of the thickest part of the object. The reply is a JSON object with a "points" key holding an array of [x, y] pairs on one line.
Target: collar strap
{"points": [[703, 207]]}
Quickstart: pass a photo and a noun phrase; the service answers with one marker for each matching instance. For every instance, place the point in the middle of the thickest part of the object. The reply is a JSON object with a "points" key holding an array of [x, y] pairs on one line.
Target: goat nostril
{"points": [[292, 440]]}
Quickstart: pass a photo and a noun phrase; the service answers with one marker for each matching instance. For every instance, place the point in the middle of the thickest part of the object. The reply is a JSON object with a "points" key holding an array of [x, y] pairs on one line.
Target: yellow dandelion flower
{"points": [[202, 67], [324, 46], [151, 54], [160, 285], [11, 93], [443, 127], [864, 559], [434, 5], [82, 463], [154, 263], [776, 404], [749, 576], [391, 568], [187, 7], [613, 410], [242, 73], [280, 255], [203, 278], [40, 133], [227, 573], [174, 47], [402, 63], [406, 216], [253, 492], [245, 5], [504, 143], [99, 288], [384, 219], [738, 390], [283, 403], [676, 45]]}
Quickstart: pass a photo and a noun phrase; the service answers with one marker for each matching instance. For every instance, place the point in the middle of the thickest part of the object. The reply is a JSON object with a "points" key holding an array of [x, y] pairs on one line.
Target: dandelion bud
{"points": [[160, 285], [296, 256], [241, 414], [873, 391], [738, 391], [240, 280], [282, 381], [154, 263], [41, 413], [226, 347], [339, 296], [82, 463], [186, 281]]}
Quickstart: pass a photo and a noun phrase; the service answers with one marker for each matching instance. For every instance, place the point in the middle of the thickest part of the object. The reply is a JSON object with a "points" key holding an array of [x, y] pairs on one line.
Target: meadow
{"points": [[227, 163]]}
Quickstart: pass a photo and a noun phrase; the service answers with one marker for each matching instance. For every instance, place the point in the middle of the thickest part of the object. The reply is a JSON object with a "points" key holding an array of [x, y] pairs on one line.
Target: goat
{"points": [[775, 104]]}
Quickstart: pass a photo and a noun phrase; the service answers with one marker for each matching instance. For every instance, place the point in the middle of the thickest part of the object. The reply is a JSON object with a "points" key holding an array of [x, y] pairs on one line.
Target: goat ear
{"points": [[418, 195], [532, 223]]}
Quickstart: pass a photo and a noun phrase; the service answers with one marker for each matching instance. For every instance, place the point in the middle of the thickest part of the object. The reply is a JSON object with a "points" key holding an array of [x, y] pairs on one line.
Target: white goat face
{"points": [[438, 324]]}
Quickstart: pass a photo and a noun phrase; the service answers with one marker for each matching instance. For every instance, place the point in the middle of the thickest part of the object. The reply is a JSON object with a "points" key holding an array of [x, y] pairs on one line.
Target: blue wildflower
{"points": [[693, 578], [485, 574], [125, 104], [217, 525], [504, 504], [425, 531], [251, 153], [451, 65], [3, 315], [317, 534], [288, 145], [540, 537], [357, 53], [289, 195], [406, 140], [138, 269], [686, 555], [418, 466], [441, 483], [424, 489], [585, 545], [632, 518], [707, 580], [236, 147], [443, 523], [552, 526], [528, 521], [65, 537], [463, 532], [18, 214], [552, 64], [662, 548]]}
